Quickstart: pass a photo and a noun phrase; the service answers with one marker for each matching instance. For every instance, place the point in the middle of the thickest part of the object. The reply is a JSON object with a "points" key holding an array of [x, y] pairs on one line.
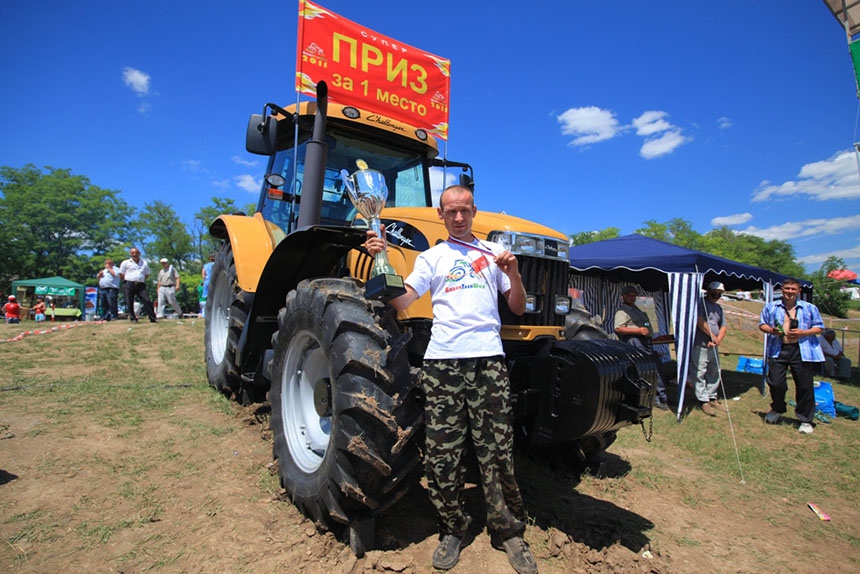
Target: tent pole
{"points": [[768, 296]]}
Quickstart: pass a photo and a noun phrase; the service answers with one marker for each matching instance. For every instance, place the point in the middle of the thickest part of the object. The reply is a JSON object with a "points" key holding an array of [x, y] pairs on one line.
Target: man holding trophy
{"points": [[465, 378]]}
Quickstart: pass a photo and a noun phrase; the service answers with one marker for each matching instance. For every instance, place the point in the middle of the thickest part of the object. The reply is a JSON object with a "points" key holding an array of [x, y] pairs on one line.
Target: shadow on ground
{"points": [[551, 500], [735, 384], [548, 486]]}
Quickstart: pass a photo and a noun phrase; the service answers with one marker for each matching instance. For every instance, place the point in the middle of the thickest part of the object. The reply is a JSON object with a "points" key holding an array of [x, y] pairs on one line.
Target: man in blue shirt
{"points": [[109, 290], [793, 327], [206, 273]]}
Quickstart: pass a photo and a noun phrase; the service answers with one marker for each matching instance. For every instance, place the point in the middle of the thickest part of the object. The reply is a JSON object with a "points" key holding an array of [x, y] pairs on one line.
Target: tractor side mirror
{"points": [[467, 181], [261, 135]]}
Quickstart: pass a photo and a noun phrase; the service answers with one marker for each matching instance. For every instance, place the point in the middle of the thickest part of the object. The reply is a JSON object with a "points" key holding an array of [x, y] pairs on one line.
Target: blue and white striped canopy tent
{"points": [[672, 275]]}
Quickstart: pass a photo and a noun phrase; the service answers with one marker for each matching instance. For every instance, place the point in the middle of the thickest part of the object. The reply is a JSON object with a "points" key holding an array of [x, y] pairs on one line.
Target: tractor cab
{"points": [[407, 161]]}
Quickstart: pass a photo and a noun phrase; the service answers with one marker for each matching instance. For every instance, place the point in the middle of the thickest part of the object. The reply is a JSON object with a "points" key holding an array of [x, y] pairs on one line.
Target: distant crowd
{"points": [[131, 276]]}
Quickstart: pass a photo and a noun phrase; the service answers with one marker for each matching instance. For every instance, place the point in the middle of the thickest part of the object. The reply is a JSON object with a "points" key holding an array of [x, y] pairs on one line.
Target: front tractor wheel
{"points": [[344, 408], [226, 313]]}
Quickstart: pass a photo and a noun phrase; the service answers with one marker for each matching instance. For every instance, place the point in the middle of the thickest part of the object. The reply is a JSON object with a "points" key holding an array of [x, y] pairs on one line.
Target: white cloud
{"points": [[852, 253], [238, 160], [650, 123], [724, 123], [835, 178], [137, 80], [589, 125], [793, 230], [729, 220], [192, 165], [664, 144], [248, 183]]}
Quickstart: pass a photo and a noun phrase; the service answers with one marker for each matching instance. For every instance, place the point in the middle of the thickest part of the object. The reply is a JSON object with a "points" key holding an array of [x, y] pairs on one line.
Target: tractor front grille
{"points": [[546, 279]]}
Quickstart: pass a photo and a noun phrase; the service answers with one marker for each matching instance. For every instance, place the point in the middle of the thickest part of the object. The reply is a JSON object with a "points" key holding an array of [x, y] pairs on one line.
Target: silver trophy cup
{"points": [[368, 192]]}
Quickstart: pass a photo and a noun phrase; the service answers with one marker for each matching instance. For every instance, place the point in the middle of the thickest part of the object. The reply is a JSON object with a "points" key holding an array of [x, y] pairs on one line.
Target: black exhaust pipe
{"points": [[315, 160]]}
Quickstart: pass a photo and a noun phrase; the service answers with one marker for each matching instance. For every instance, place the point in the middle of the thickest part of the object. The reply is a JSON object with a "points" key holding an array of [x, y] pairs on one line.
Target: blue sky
{"points": [[578, 115]]}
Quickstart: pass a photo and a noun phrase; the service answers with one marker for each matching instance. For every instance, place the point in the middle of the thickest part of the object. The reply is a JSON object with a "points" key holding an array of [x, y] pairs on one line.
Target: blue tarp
{"points": [[638, 259]]}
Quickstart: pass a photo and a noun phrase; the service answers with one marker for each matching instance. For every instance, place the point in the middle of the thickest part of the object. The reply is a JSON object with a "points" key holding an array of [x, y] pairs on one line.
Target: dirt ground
{"points": [[194, 489]]}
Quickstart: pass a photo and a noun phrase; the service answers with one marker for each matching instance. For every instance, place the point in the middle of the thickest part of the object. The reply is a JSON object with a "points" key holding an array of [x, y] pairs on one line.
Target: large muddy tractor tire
{"points": [[226, 313], [345, 412]]}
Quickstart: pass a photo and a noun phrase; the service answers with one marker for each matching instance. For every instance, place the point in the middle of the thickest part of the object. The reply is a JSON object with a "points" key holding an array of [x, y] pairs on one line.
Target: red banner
{"points": [[365, 69]]}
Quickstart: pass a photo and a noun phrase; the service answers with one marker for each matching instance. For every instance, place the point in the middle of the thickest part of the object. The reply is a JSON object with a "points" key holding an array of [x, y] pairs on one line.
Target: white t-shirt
{"points": [[134, 272], [464, 284]]}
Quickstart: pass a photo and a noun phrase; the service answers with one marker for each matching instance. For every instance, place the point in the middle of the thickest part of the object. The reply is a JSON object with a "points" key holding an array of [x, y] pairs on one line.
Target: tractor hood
{"points": [[427, 220], [487, 221]]}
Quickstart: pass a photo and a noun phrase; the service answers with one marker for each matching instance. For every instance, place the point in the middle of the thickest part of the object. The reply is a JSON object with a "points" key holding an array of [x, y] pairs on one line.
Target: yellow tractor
{"points": [[289, 321]]}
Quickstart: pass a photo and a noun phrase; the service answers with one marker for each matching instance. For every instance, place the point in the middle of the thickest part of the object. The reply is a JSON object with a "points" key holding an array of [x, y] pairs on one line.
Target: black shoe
{"points": [[447, 554], [658, 404], [520, 556], [134, 320], [153, 320]]}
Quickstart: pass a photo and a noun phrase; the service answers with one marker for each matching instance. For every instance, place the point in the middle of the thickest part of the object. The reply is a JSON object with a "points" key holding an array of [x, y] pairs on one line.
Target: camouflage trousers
{"points": [[469, 399]]}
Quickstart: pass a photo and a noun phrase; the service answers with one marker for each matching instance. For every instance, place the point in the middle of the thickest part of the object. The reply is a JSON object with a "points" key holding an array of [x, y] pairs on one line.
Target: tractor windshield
{"points": [[406, 176]]}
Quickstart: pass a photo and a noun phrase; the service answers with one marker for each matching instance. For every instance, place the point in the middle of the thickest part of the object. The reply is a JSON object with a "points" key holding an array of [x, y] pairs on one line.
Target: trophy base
{"points": [[384, 287]]}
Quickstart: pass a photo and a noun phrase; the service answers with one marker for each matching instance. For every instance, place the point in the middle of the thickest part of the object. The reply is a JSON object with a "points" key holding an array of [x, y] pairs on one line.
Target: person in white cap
{"points": [[12, 311], [704, 361], [168, 282]]}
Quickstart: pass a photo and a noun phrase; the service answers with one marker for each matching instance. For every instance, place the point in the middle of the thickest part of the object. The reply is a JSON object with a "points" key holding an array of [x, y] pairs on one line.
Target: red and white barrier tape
{"points": [[23, 334]]}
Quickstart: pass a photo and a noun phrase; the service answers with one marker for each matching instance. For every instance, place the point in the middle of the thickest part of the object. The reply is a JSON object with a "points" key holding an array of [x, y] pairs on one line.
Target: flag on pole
{"points": [[368, 70]]}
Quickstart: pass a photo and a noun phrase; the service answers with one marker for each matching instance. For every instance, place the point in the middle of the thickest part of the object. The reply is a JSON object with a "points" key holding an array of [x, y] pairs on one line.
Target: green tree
{"points": [[164, 235], [205, 243], [773, 255], [54, 223], [724, 242], [676, 231], [683, 234], [583, 237], [655, 230], [827, 294]]}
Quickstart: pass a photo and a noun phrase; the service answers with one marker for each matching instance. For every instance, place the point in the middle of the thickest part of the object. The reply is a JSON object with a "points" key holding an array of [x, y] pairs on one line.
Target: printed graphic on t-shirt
{"points": [[480, 264], [464, 276]]}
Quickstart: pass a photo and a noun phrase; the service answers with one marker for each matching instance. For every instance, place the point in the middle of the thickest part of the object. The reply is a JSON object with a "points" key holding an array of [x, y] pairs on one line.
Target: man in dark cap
{"points": [[633, 326]]}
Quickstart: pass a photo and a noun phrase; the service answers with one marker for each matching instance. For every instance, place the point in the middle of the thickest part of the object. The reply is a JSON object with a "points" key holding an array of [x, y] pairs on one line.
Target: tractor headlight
{"points": [[531, 304], [531, 245], [562, 305], [504, 239], [526, 245]]}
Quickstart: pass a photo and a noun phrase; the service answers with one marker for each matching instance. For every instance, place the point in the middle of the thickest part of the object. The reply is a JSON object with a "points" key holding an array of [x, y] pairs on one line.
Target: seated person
{"points": [[836, 364], [633, 326]]}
